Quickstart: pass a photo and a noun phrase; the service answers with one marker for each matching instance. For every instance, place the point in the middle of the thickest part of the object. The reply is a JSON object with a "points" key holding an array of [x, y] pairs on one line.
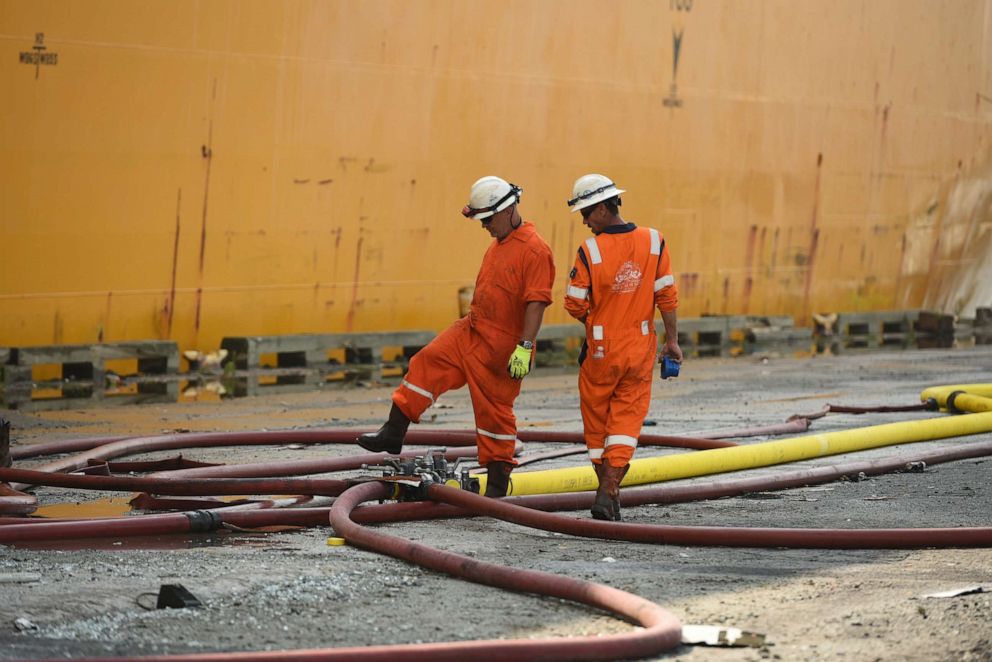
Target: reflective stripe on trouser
{"points": [[462, 355], [615, 395]]}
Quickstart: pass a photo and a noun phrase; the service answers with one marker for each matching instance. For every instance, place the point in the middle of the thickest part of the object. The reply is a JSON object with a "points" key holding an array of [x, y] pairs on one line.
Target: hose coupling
{"points": [[950, 402], [413, 476], [204, 520]]}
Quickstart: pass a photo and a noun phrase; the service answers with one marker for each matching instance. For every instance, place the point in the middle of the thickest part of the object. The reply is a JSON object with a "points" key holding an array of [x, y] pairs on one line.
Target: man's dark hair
{"points": [[613, 204]]}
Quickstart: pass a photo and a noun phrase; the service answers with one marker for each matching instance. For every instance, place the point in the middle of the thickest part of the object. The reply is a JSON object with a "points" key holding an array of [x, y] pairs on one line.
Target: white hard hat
{"points": [[591, 189], [490, 195]]}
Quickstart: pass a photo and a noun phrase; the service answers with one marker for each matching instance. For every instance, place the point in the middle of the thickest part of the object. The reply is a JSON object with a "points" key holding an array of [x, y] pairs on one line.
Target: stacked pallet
{"points": [[70, 376], [284, 363]]}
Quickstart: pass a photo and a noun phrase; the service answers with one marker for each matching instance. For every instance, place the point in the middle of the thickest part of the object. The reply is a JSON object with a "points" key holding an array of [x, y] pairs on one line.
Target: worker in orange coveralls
{"points": [[491, 348], [621, 273]]}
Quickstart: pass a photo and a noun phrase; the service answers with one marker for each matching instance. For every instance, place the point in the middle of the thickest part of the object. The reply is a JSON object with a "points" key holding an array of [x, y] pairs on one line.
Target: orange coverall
{"points": [[475, 349], [619, 276]]}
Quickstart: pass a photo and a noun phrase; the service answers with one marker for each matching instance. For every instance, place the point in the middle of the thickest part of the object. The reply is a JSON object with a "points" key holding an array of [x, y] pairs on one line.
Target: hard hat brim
{"points": [[596, 199]]}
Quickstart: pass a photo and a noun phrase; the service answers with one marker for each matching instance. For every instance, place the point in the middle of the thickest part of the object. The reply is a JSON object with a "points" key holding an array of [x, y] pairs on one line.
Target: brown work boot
{"points": [[616, 502], [498, 479], [388, 438], [598, 468], [5, 460], [607, 505]]}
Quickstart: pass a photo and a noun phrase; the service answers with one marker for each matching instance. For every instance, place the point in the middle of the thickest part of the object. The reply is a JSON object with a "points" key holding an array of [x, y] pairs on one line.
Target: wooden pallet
{"points": [[776, 331], [711, 335], [80, 375], [981, 326], [295, 362], [894, 328]]}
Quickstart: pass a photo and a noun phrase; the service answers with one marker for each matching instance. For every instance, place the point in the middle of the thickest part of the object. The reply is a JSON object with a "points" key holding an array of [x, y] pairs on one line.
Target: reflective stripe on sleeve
{"points": [[655, 242], [416, 389], [664, 281], [593, 250], [577, 292], [622, 440], [493, 435]]}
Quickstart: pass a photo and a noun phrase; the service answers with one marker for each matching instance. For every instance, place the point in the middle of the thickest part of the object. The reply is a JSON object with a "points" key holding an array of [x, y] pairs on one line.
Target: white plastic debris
{"points": [[23, 624], [717, 635]]}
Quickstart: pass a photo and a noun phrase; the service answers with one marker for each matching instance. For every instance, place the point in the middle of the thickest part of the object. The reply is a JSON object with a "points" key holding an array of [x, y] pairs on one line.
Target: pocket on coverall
{"points": [[600, 365]]}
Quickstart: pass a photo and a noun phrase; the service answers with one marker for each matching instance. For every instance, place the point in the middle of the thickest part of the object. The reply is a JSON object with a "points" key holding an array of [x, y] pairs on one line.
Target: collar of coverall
{"points": [[516, 232], [619, 229]]}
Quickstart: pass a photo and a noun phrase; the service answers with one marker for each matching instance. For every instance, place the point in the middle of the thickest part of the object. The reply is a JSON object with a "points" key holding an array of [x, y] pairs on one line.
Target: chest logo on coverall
{"points": [[628, 278]]}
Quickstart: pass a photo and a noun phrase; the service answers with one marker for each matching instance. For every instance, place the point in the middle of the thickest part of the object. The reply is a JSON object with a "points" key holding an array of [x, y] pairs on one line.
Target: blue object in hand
{"points": [[669, 367]]}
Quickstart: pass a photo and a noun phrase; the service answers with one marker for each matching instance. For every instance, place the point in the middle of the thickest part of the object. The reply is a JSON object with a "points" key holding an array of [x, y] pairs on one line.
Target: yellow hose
{"points": [[795, 449], [941, 393], [967, 402]]}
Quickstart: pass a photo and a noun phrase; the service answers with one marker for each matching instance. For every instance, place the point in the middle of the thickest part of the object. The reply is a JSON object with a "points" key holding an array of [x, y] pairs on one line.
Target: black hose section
{"points": [[715, 536], [204, 520], [662, 631]]}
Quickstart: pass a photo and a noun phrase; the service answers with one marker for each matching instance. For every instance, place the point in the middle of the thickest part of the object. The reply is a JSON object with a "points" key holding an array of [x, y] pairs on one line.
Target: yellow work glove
{"points": [[519, 364]]}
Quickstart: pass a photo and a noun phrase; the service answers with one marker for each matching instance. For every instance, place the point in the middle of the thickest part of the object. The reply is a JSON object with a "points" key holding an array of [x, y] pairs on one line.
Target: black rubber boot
{"points": [[388, 438], [607, 505], [498, 479]]}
